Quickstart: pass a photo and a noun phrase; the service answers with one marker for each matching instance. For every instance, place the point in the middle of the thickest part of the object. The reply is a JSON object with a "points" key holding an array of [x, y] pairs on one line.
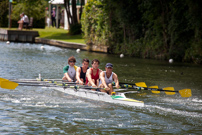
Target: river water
{"points": [[39, 110]]}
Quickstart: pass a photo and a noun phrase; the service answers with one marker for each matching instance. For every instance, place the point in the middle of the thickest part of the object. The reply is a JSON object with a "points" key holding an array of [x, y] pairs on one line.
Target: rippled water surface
{"points": [[40, 110]]}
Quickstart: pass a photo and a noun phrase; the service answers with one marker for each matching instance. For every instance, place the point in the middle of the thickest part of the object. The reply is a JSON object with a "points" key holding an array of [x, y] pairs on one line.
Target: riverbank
{"points": [[59, 35], [61, 38], [18, 35]]}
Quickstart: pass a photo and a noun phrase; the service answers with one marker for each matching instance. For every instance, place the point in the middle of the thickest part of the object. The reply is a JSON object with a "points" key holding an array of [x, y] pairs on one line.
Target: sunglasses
{"points": [[71, 62]]}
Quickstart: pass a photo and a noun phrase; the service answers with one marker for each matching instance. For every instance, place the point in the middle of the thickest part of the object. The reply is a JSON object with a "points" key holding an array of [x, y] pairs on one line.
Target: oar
{"points": [[37, 79], [171, 91], [12, 85], [2, 79], [156, 90], [43, 82], [138, 84], [5, 84]]}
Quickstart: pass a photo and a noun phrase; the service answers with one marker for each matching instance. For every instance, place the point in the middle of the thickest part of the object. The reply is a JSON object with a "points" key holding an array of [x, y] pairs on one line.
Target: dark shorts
{"points": [[25, 23]]}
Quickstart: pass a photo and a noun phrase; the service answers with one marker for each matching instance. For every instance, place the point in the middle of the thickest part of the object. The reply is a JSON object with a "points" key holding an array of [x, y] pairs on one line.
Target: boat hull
{"points": [[119, 98]]}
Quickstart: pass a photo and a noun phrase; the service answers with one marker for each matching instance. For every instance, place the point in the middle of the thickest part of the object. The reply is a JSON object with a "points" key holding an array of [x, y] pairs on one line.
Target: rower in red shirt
{"points": [[92, 74]]}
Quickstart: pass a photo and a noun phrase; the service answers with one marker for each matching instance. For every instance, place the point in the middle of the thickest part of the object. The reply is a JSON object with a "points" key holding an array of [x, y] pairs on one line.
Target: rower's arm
{"points": [[78, 71], [100, 71], [67, 76], [115, 78], [65, 71], [88, 75], [102, 78]]}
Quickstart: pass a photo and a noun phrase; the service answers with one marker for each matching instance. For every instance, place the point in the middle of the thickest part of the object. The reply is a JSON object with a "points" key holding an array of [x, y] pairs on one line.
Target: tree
{"points": [[159, 29], [75, 27], [3, 13], [32, 8]]}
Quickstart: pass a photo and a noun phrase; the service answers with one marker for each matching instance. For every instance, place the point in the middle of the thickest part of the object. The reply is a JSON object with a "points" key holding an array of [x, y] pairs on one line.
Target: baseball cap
{"points": [[109, 65]]}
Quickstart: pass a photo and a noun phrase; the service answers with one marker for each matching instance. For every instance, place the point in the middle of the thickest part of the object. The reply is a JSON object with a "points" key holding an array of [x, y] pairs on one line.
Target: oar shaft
{"points": [[141, 88], [39, 85], [47, 85], [43, 82], [160, 90], [35, 79]]}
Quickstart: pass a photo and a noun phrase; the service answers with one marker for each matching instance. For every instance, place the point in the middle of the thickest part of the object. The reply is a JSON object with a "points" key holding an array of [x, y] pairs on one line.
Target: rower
{"points": [[81, 72], [70, 70], [92, 74], [106, 79]]}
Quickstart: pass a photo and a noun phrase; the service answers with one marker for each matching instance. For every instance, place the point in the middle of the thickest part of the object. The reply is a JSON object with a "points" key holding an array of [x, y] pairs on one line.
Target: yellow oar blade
{"points": [[8, 85], [2, 79], [170, 89], [185, 93], [141, 84], [154, 91]]}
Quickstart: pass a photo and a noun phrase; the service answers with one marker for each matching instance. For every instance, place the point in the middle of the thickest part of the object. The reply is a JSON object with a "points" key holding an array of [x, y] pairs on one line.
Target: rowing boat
{"points": [[117, 98], [86, 92], [73, 89]]}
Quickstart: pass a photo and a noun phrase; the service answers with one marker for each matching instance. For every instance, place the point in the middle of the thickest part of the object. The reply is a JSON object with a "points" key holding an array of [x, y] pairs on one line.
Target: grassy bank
{"points": [[57, 34]]}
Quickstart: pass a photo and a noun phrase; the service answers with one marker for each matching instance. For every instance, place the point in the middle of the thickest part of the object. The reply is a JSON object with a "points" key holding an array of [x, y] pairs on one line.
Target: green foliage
{"points": [[39, 23], [146, 28], [75, 29], [94, 23], [32, 8], [4, 12]]}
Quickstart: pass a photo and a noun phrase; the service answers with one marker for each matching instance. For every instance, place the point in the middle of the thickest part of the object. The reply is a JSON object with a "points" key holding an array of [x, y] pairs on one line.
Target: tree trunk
{"points": [[71, 16], [66, 5], [81, 9], [74, 13]]}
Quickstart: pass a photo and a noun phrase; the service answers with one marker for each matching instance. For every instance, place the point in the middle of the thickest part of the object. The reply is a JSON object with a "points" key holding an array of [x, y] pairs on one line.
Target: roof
{"points": [[56, 1]]}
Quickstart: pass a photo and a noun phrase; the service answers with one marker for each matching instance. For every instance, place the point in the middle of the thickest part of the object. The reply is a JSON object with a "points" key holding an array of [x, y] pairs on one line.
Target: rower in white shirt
{"points": [[70, 70], [106, 79]]}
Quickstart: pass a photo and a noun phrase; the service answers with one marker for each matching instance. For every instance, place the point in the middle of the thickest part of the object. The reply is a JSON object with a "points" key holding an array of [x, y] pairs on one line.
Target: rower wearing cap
{"points": [[106, 79], [70, 70], [92, 74]]}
